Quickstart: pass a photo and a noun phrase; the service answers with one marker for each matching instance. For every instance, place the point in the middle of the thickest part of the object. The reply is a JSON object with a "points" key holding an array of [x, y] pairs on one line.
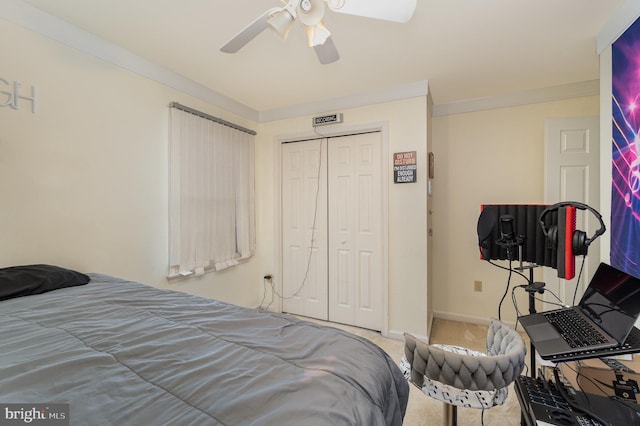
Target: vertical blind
{"points": [[211, 193]]}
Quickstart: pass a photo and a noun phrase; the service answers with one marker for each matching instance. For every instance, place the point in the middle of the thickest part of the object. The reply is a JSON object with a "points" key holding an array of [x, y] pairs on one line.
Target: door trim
{"points": [[333, 131]]}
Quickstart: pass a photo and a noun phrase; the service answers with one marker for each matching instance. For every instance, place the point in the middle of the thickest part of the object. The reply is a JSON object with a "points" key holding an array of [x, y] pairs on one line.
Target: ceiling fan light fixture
{"points": [[311, 12], [317, 34], [281, 21]]}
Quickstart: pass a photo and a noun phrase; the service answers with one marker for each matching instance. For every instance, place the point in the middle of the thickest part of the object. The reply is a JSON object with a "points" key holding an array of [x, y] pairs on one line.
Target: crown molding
{"points": [[547, 94], [56, 29], [387, 94]]}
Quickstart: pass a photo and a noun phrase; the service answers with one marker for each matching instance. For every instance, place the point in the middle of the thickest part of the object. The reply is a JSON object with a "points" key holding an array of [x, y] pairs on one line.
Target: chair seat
{"points": [[452, 395]]}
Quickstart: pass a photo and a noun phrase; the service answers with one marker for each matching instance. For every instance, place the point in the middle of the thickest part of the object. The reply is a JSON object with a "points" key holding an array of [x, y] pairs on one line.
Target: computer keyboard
{"points": [[574, 329], [544, 402]]}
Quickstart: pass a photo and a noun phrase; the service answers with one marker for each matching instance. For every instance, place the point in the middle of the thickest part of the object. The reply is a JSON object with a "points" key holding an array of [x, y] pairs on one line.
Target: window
{"points": [[211, 193]]}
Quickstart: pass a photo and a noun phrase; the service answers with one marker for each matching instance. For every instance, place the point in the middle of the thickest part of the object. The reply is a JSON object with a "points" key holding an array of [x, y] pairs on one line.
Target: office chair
{"points": [[461, 377]]}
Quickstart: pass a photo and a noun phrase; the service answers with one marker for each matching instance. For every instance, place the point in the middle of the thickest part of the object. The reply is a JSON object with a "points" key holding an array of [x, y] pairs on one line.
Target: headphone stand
{"points": [[532, 288]]}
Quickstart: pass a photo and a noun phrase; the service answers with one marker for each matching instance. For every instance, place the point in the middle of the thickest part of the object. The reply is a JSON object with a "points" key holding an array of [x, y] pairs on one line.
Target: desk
{"points": [[542, 403]]}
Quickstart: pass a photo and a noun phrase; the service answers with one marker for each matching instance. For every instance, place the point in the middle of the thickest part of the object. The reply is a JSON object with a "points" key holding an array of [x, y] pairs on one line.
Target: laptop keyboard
{"points": [[575, 330]]}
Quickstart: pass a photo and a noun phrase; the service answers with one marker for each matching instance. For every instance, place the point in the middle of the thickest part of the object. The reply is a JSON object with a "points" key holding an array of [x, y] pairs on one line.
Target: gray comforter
{"points": [[123, 353]]}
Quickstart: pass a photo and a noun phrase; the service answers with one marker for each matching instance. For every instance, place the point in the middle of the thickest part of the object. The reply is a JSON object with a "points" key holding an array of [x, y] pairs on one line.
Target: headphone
{"points": [[579, 241]]}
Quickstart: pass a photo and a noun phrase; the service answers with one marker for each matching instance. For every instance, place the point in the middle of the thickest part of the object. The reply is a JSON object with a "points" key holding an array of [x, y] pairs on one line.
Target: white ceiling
{"points": [[466, 49]]}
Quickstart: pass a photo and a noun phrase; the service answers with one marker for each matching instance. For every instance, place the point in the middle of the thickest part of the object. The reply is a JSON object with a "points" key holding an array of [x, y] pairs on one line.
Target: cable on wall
{"points": [[313, 228], [313, 231]]}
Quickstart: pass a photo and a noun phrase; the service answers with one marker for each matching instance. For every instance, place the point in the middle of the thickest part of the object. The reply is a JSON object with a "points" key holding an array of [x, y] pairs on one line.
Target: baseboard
{"points": [[470, 319], [399, 335]]}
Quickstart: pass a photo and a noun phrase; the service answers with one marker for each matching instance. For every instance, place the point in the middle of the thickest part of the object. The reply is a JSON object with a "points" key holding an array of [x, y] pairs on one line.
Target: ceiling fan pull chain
{"points": [[305, 5]]}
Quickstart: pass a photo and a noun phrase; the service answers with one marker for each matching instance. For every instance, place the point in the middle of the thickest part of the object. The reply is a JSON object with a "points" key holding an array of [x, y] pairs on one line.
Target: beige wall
{"points": [[84, 180], [492, 156]]}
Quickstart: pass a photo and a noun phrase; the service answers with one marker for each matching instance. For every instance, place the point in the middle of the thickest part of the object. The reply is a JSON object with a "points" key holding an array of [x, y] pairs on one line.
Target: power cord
{"points": [[266, 279], [616, 398], [506, 290], [508, 269], [575, 291], [515, 301], [560, 303], [571, 402], [483, 409], [313, 229]]}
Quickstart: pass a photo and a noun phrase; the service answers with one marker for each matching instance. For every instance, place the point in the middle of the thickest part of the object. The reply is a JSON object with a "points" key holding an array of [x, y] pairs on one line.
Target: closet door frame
{"points": [[332, 131]]}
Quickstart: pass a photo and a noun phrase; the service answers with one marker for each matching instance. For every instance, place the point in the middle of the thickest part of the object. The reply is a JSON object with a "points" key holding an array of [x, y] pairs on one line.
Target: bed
{"points": [[123, 353]]}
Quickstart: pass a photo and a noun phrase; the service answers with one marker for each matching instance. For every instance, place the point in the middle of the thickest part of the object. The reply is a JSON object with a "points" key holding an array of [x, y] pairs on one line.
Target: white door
{"points": [[304, 228], [332, 195], [355, 230], [572, 173]]}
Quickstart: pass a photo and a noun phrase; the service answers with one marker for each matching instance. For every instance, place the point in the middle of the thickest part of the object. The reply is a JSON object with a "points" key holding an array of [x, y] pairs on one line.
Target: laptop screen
{"points": [[612, 300]]}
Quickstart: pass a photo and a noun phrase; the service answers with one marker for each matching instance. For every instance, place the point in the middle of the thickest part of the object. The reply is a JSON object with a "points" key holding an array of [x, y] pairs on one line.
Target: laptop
{"points": [[604, 317]]}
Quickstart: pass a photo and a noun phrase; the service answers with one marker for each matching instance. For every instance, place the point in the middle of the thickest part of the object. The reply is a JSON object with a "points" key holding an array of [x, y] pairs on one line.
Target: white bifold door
{"points": [[332, 225]]}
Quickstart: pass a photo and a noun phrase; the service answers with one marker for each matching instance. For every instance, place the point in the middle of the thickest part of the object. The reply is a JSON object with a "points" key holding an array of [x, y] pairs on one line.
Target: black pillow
{"points": [[17, 281]]}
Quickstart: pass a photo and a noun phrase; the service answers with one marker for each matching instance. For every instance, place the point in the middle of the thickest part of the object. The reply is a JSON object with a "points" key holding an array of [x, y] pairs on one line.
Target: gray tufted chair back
{"points": [[504, 362]]}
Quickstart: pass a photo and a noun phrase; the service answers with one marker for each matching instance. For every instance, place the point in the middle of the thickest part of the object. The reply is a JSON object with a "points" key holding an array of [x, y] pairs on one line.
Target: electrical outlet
{"points": [[477, 286]]}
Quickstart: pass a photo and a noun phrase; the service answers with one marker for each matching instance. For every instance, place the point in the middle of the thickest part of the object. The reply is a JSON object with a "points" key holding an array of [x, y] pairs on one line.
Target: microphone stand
{"points": [[532, 287]]}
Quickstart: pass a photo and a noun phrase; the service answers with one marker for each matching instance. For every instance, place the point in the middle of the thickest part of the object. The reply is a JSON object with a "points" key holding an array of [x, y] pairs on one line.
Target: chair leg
{"points": [[450, 415]]}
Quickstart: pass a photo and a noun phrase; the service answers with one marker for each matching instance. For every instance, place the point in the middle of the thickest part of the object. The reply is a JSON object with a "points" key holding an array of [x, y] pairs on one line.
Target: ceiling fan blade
{"points": [[327, 52], [387, 10], [249, 33]]}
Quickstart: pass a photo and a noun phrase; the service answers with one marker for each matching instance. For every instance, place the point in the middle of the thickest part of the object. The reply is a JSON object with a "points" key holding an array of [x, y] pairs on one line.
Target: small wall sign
{"points": [[11, 93], [405, 167], [327, 119]]}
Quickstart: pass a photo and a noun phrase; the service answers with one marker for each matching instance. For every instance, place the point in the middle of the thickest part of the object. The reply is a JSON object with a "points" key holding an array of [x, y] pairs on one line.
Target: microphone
{"points": [[508, 238], [507, 234]]}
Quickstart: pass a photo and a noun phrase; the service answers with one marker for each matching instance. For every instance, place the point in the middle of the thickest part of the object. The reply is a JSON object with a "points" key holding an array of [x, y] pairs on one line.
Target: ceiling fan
{"points": [[311, 14]]}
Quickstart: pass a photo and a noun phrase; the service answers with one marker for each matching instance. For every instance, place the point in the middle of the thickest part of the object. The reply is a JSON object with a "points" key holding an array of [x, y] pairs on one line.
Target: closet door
{"points": [[304, 228], [355, 230]]}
